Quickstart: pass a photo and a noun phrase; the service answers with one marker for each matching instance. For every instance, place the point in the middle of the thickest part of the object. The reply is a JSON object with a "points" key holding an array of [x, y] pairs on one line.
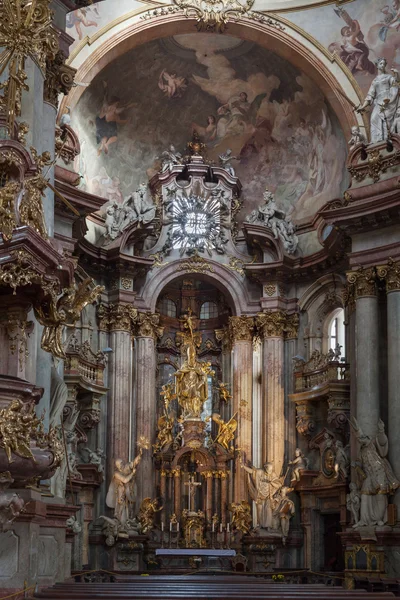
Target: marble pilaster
{"points": [[241, 331], [49, 124], [363, 287], [391, 274], [146, 362]]}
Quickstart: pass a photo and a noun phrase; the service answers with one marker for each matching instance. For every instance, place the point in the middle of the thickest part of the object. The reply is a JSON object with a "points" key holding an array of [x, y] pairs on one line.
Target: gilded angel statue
{"points": [[56, 314], [148, 509]]}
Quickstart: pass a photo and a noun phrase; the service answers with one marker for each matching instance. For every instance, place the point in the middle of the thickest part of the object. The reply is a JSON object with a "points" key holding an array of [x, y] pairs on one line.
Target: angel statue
{"points": [[263, 485], [57, 313], [241, 516], [226, 431], [376, 476], [225, 161], [224, 393], [299, 463], [169, 158], [148, 509], [164, 433]]}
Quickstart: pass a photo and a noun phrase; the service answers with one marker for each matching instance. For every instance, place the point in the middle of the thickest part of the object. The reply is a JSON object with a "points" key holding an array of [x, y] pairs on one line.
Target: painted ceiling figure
{"points": [[108, 120], [353, 50]]}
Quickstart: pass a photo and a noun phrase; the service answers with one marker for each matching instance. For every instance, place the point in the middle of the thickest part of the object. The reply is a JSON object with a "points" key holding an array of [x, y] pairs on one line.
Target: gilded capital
{"points": [[241, 328], [59, 78], [390, 273], [362, 282], [148, 325], [117, 317], [277, 324]]}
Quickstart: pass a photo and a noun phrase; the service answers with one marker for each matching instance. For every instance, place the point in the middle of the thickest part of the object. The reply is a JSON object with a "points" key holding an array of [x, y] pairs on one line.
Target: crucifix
{"points": [[192, 485]]}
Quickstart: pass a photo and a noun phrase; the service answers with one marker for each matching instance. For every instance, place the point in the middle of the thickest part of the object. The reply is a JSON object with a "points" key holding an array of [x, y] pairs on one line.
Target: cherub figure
{"points": [[357, 137], [299, 463], [108, 120], [353, 502], [172, 85], [225, 161], [224, 393]]}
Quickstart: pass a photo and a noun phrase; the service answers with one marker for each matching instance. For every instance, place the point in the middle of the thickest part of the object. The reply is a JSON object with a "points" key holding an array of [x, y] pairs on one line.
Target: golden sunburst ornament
{"points": [[143, 443]]}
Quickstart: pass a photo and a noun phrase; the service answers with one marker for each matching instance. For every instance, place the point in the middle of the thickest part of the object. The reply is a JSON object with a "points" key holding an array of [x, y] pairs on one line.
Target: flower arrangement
{"points": [[278, 578]]}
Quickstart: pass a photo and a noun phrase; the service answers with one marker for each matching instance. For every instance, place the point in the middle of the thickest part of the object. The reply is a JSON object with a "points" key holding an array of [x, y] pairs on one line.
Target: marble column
{"points": [[391, 274], [147, 332], [241, 332], [257, 403], [363, 289], [271, 326], [49, 125], [118, 319], [177, 491]]}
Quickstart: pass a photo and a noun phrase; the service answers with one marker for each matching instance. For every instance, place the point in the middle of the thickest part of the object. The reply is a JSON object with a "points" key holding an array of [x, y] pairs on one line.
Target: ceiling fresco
{"points": [[237, 95]]}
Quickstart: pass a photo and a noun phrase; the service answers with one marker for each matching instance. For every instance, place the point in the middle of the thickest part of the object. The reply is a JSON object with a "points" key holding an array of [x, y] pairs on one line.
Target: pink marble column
{"points": [[118, 319], [146, 402], [273, 327], [241, 331]]}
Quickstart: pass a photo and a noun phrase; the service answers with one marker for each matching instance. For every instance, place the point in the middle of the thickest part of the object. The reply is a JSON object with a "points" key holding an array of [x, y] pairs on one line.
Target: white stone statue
{"points": [[299, 463], [11, 504], [136, 208], [225, 162], [284, 510], [170, 158], [74, 525], [120, 494], [96, 458], [376, 475], [383, 97], [270, 216], [59, 480], [342, 461], [58, 397], [353, 502], [263, 484], [357, 137]]}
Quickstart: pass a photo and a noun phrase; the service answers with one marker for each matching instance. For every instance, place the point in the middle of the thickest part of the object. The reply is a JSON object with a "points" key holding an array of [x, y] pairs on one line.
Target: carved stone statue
{"points": [[284, 510], [263, 484], [170, 158], [299, 463], [96, 458], [136, 208], [58, 397], [383, 96], [225, 162], [270, 216], [353, 502], [74, 525], [357, 137], [376, 475], [120, 494], [224, 393], [11, 505], [341, 461], [164, 433]]}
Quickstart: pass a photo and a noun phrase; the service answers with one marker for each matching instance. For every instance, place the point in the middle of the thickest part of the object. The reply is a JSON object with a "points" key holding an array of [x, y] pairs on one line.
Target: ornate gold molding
{"points": [[196, 264], [59, 78], [148, 325], [213, 15], [223, 335], [241, 328], [25, 31], [361, 282], [277, 324], [390, 273], [117, 317]]}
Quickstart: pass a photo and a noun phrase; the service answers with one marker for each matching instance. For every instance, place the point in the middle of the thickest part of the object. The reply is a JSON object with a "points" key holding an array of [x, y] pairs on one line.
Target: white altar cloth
{"points": [[194, 552]]}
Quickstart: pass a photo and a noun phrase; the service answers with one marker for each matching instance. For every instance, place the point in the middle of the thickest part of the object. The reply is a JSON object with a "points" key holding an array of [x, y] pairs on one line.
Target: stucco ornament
{"points": [[136, 208], [213, 15], [274, 218]]}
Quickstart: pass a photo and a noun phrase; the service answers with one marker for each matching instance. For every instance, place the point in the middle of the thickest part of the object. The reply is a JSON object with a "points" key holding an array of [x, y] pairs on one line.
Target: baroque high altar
{"points": [[199, 291]]}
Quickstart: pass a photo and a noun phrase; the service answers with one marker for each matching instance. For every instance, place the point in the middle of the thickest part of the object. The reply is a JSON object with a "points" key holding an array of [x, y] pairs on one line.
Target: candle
{"points": [[227, 528], [162, 525], [220, 527], [170, 525], [212, 527], [177, 527]]}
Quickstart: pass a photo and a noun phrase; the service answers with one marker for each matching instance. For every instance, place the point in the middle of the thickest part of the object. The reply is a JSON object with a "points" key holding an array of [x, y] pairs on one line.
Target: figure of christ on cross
{"points": [[192, 485]]}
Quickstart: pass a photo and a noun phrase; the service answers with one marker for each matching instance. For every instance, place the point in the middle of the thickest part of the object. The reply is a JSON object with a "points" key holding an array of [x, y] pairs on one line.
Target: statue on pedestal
{"points": [[376, 475], [383, 96], [284, 510], [353, 502], [263, 485], [191, 380]]}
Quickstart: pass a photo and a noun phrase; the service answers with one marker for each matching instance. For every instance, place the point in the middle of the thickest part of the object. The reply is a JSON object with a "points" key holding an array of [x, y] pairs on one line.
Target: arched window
{"points": [[336, 331], [167, 307], [209, 310]]}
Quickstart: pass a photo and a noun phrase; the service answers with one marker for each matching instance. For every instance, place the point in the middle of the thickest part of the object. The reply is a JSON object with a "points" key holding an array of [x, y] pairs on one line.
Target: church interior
{"points": [[199, 299]]}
